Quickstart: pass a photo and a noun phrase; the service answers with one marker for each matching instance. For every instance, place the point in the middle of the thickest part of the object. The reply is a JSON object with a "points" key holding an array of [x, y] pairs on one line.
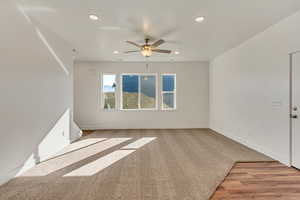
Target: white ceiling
{"points": [[227, 24]]}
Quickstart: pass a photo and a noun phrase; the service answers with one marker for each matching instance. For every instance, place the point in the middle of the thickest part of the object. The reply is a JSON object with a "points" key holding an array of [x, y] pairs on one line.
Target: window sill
{"points": [[129, 110], [169, 110], [136, 110]]}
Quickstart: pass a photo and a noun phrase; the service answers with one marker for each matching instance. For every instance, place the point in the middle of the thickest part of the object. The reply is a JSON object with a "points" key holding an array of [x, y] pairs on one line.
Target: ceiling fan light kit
{"points": [[146, 51]]}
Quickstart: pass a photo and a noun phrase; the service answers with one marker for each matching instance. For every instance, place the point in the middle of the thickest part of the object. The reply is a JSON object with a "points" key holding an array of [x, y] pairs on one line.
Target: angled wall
{"points": [[36, 87], [249, 89]]}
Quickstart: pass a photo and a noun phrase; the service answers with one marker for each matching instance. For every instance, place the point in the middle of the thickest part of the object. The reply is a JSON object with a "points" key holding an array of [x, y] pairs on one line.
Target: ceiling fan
{"points": [[147, 49]]}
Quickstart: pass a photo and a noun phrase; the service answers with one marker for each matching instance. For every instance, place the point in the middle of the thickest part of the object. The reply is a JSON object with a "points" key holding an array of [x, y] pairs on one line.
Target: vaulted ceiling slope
{"points": [[227, 24]]}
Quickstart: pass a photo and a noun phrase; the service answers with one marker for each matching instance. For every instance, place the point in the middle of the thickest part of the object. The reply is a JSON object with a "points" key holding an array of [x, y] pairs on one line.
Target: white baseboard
{"points": [[268, 152]]}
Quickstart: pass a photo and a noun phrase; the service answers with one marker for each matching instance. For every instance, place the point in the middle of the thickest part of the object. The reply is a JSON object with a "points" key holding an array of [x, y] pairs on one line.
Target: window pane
{"points": [[168, 100], [148, 91], [109, 89], [130, 91], [109, 83], [168, 83], [109, 100]]}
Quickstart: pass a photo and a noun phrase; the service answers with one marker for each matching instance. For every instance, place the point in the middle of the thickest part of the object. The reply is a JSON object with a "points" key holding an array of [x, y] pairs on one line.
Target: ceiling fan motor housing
{"points": [[147, 41]]}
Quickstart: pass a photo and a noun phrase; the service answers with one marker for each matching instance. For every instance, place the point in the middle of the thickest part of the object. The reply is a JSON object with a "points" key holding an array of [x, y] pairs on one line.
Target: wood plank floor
{"points": [[181, 164], [260, 181]]}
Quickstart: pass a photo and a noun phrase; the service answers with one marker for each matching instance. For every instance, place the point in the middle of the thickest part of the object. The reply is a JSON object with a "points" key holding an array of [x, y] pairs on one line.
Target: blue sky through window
{"points": [[130, 83], [148, 86], [168, 83], [109, 83]]}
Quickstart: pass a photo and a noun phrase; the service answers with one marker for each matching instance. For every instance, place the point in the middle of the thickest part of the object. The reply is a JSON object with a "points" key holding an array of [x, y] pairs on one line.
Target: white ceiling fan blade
{"points": [[131, 51], [161, 51], [157, 43], [135, 44]]}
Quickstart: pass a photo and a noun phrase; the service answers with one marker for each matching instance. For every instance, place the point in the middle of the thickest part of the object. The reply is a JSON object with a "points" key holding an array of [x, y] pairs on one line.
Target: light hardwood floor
{"points": [[185, 164], [260, 181]]}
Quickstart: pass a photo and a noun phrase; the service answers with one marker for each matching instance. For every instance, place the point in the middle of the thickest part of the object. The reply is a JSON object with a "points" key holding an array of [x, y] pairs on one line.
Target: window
{"points": [[168, 91], [130, 92], [109, 91], [138, 92]]}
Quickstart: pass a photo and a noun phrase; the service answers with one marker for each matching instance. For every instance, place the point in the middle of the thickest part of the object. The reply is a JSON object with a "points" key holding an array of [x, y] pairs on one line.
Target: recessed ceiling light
{"points": [[176, 52], [199, 19], [116, 52], [93, 17]]}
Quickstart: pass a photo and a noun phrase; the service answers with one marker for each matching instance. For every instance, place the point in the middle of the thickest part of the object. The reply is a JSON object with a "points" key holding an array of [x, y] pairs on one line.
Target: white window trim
{"points": [[168, 92], [102, 92], [139, 91]]}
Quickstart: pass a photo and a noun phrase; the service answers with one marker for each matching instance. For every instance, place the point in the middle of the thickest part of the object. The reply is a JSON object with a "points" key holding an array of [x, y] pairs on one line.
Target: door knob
{"points": [[294, 116]]}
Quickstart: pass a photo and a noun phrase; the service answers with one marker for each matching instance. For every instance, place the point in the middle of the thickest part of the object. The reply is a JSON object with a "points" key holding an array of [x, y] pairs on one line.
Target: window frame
{"points": [[102, 91], [174, 92], [139, 91]]}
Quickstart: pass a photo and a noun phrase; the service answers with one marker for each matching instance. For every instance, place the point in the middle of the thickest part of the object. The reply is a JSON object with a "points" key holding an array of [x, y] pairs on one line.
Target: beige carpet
{"points": [[133, 165]]}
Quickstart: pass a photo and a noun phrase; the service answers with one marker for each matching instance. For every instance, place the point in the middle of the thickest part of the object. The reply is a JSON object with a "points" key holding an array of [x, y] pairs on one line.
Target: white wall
{"points": [[192, 97], [249, 89], [36, 87]]}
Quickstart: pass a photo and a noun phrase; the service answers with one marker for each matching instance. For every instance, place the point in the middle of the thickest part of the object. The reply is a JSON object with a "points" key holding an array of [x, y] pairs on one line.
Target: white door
{"points": [[295, 109]]}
